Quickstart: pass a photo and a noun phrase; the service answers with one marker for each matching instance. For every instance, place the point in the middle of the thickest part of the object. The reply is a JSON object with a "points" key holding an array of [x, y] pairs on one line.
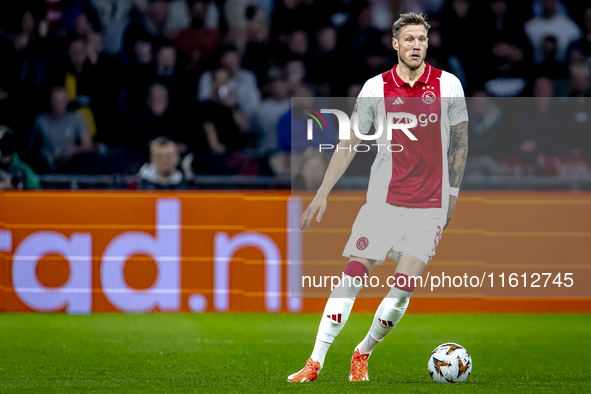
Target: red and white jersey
{"points": [[417, 176]]}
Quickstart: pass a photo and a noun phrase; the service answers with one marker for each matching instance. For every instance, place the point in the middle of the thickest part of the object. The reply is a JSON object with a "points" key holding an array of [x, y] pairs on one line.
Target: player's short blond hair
{"points": [[408, 19]]}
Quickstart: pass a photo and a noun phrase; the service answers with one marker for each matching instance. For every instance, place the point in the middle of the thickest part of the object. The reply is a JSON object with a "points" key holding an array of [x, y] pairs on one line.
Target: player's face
{"points": [[412, 46]]}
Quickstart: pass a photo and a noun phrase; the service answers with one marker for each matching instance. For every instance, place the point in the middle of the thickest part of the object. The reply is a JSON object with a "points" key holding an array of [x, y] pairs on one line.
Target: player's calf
{"points": [[388, 314], [335, 315]]}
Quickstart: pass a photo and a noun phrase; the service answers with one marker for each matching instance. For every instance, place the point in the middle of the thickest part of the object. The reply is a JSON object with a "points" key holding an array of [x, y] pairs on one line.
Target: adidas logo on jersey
{"points": [[336, 317], [398, 101]]}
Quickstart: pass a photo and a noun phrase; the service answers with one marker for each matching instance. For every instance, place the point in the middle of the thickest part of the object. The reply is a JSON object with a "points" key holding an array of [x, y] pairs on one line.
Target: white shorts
{"points": [[383, 230]]}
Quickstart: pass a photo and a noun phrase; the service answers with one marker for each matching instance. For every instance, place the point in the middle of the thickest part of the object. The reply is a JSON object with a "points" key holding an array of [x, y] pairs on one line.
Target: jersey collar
{"points": [[424, 79]]}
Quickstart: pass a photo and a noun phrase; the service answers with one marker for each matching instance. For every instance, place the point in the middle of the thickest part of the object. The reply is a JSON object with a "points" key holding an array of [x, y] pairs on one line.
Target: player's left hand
{"points": [[450, 209]]}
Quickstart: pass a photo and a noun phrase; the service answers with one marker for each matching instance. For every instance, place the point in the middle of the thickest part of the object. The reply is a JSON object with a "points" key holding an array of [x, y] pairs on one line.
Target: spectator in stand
{"points": [[179, 18], [82, 25], [152, 23], [585, 43], [538, 129], [285, 16], [438, 55], [94, 50], [271, 109], [159, 119], [77, 64], [298, 45], [578, 112], [79, 18], [220, 138], [138, 75], [171, 74], [486, 134], [296, 73], [8, 85], [326, 41], [239, 13], [258, 51], [166, 58], [551, 67], [580, 83], [114, 18], [553, 24], [7, 107], [508, 51], [22, 176], [326, 55], [360, 41], [242, 83], [106, 111], [311, 169], [574, 166], [80, 78], [353, 91], [487, 137], [458, 17], [580, 51], [60, 134], [54, 14], [33, 53], [161, 172], [198, 41]]}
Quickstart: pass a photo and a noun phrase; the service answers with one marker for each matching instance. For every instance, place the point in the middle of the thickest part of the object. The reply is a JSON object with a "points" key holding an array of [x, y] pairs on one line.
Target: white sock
{"points": [[366, 346], [335, 315], [389, 313], [319, 352]]}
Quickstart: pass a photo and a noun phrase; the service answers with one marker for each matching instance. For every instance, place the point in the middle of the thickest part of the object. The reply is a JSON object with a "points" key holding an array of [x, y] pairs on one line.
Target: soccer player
{"points": [[411, 196]]}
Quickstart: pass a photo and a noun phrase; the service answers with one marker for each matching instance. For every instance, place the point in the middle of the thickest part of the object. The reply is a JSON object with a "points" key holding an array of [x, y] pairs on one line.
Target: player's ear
{"points": [[394, 43]]}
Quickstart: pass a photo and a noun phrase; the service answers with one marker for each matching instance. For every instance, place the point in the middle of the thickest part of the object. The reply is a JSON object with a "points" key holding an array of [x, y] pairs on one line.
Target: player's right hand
{"points": [[318, 205]]}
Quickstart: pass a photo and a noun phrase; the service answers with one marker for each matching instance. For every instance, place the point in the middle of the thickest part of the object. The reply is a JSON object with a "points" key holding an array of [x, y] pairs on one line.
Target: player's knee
{"points": [[356, 269], [404, 282]]}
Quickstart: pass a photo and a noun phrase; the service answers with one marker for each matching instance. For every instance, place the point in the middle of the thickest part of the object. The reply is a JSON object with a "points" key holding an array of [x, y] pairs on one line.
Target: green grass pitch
{"points": [[235, 353]]}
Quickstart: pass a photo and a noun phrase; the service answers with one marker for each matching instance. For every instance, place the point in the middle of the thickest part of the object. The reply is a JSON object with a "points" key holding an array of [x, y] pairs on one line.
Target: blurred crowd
{"points": [[171, 89]]}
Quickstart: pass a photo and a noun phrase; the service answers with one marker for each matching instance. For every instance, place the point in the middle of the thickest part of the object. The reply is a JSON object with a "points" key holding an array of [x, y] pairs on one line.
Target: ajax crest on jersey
{"points": [[449, 363], [429, 97]]}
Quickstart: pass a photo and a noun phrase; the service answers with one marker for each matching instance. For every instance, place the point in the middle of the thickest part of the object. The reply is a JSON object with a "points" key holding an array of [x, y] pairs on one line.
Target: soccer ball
{"points": [[449, 363]]}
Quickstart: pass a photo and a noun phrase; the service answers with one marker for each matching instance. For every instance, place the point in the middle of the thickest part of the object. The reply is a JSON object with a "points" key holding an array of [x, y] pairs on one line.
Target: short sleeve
{"points": [[364, 109], [457, 110]]}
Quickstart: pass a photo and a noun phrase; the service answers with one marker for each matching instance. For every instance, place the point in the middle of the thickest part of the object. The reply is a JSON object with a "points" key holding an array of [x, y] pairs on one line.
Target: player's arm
{"points": [[339, 162], [458, 152]]}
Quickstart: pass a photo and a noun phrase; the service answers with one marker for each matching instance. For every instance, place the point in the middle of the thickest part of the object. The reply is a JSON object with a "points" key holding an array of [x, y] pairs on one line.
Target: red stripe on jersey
{"points": [[417, 175], [335, 317]]}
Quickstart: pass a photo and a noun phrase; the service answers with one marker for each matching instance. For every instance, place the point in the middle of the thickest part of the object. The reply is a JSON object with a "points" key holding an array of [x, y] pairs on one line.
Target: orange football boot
{"points": [[307, 374], [359, 367]]}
